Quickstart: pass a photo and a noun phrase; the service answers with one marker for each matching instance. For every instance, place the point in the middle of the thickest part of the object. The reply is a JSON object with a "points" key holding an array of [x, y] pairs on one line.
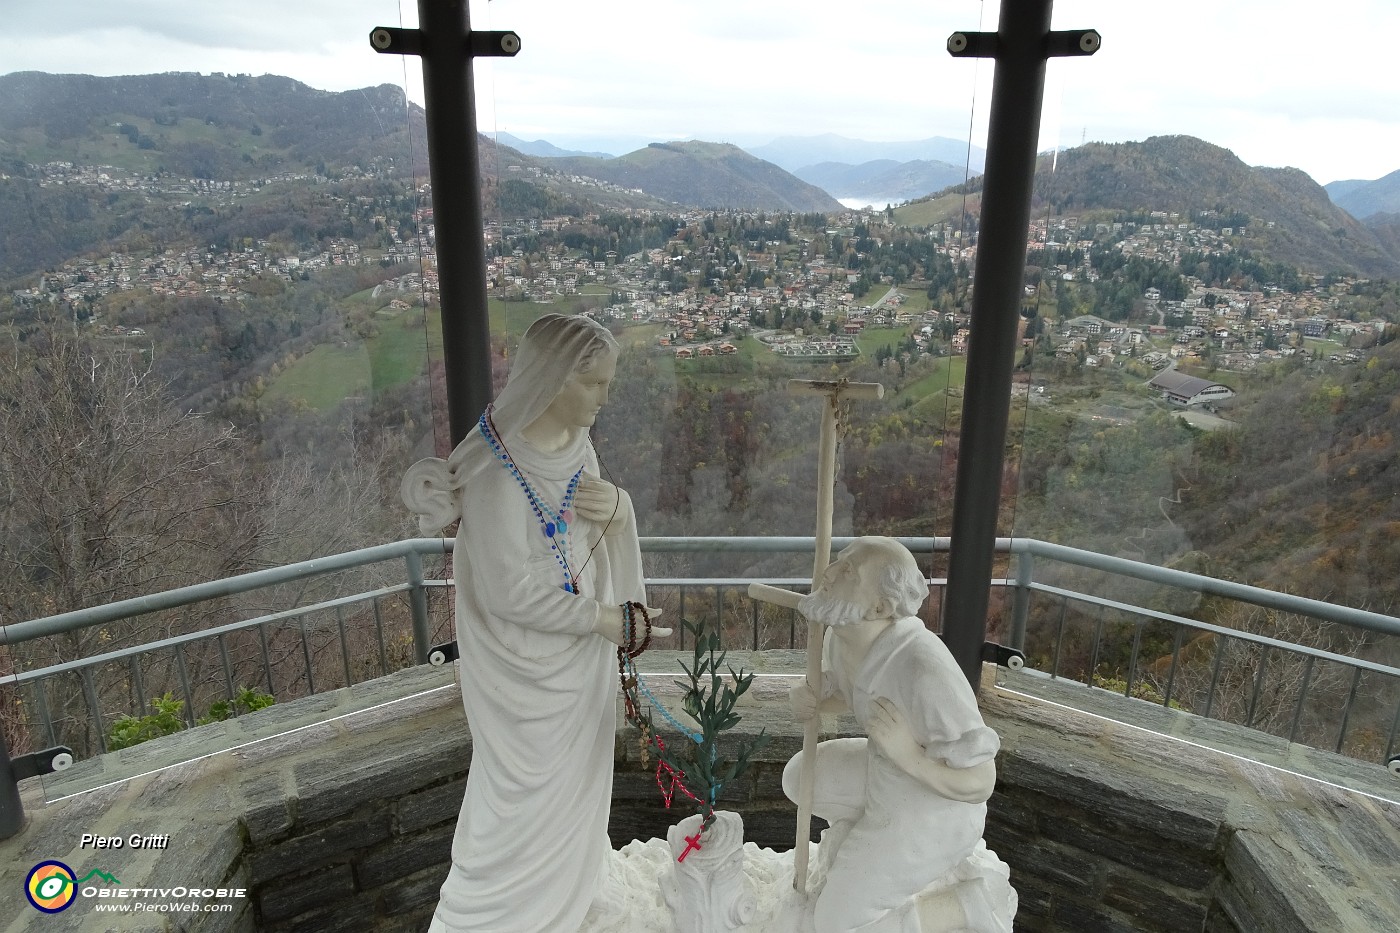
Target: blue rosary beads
{"points": [[554, 524]]}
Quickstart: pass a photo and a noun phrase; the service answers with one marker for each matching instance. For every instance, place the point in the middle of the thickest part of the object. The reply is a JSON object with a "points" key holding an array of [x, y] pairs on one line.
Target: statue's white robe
{"points": [[895, 835], [531, 851]]}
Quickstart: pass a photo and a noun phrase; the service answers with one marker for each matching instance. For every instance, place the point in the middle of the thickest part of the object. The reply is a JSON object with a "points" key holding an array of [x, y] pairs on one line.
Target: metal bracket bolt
{"points": [[1059, 44], [58, 758], [442, 654], [490, 44], [1002, 656]]}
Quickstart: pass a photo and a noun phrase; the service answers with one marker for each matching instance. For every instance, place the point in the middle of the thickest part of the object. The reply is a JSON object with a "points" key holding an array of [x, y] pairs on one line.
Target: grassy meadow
{"points": [[399, 348]]}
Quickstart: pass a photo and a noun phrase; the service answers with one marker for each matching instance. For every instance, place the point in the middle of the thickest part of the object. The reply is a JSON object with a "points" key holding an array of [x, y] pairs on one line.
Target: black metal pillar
{"points": [[11, 809], [48, 761], [1021, 44], [447, 45]]}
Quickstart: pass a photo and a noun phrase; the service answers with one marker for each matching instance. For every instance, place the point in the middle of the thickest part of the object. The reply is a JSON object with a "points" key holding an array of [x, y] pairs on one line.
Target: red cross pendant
{"points": [[692, 844]]}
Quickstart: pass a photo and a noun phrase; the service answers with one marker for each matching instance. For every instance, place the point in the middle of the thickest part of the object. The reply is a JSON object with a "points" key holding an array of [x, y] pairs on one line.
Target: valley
{"points": [[286, 325]]}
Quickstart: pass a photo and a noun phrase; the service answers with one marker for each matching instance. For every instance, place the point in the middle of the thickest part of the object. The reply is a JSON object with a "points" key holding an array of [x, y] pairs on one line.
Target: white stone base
{"points": [[759, 897]]}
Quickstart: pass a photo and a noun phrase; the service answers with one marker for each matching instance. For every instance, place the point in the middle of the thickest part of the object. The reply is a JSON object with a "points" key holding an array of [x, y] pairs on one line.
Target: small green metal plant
{"points": [[709, 700]]}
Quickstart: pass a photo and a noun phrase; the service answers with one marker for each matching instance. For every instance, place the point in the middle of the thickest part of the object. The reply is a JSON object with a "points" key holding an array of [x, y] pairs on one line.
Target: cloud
{"points": [[323, 43], [253, 26], [1276, 81]]}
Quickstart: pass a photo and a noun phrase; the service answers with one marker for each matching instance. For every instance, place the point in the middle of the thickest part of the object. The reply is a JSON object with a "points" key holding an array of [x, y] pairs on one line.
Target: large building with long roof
{"points": [[1181, 389]]}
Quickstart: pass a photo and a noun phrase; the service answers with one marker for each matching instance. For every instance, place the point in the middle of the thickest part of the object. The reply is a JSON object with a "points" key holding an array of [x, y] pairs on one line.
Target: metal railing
{"points": [[1260, 672], [206, 665], [1059, 606]]}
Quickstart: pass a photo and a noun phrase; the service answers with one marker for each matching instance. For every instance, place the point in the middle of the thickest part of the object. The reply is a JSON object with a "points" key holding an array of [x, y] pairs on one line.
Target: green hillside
{"points": [[205, 126]]}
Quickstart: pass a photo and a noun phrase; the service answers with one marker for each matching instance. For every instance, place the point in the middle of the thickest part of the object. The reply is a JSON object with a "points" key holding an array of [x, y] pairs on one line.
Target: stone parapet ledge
{"points": [[222, 811], [346, 824], [1255, 745], [1131, 829]]}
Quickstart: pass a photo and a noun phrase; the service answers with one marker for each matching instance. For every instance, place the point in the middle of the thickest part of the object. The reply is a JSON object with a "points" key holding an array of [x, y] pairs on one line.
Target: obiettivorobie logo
{"points": [[52, 886]]}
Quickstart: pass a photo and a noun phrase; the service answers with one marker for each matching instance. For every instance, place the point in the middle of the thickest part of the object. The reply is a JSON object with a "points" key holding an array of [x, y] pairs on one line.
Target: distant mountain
{"points": [[604, 145], [795, 152], [160, 131], [518, 185], [544, 149], [1290, 217], [1337, 189], [1361, 199], [701, 174], [883, 179], [206, 126], [222, 127]]}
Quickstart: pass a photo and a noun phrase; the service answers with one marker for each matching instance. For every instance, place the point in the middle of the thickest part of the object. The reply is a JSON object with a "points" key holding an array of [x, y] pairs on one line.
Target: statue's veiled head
{"points": [[557, 355], [559, 380]]}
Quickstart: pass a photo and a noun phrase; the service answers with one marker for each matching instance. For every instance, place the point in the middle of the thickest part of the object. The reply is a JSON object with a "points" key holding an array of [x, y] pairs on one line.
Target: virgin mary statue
{"points": [[546, 553]]}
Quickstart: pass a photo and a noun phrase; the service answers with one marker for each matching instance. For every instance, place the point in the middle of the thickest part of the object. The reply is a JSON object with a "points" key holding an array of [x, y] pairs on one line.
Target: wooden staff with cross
{"points": [[834, 393]]}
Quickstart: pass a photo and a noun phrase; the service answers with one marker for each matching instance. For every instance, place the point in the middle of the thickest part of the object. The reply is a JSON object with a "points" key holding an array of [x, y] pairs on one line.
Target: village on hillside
{"points": [[805, 286], [1235, 329]]}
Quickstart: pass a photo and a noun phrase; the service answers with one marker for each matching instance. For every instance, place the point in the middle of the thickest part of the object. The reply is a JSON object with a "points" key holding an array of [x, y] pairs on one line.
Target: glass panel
{"points": [[226, 353], [717, 309], [1202, 386], [217, 349]]}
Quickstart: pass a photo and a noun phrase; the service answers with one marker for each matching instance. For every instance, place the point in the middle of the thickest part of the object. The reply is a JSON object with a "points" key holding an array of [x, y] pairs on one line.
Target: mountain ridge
{"points": [[229, 126], [240, 126], [1282, 212], [544, 149], [883, 178], [795, 152], [704, 174]]}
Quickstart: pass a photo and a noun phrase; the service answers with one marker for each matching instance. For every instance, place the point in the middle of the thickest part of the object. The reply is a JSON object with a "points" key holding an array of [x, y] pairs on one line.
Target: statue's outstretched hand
{"points": [[600, 501], [803, 701], [890, 734], [611, 624]]}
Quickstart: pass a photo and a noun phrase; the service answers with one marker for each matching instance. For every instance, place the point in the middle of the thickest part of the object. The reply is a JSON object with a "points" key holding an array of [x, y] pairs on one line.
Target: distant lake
{"points": [[878, 204]]}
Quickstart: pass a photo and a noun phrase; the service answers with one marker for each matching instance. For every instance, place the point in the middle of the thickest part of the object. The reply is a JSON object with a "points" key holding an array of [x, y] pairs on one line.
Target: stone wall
{"points": [[359, 839], [1105, 827], [347, 825], [1108, 826], [364, 843]]}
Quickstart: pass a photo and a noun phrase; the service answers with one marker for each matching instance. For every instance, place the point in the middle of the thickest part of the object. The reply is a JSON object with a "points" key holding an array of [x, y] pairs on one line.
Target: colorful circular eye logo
{"points": [[50, 887]]}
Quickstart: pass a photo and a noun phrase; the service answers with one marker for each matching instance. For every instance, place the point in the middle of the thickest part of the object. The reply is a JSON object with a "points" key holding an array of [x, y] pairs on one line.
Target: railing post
{"points": [[1021, 601], [11, 808], [418, 605], [48, 761], [94, 711]]}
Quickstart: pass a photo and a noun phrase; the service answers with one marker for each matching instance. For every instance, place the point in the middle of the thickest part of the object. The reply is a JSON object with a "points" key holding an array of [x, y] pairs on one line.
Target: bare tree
{"points": [[107, 492], [1283, 692]]}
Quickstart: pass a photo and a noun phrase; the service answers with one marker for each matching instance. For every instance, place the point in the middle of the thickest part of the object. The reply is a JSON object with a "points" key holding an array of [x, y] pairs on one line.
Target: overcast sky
{"points": [[1259, 77]]}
